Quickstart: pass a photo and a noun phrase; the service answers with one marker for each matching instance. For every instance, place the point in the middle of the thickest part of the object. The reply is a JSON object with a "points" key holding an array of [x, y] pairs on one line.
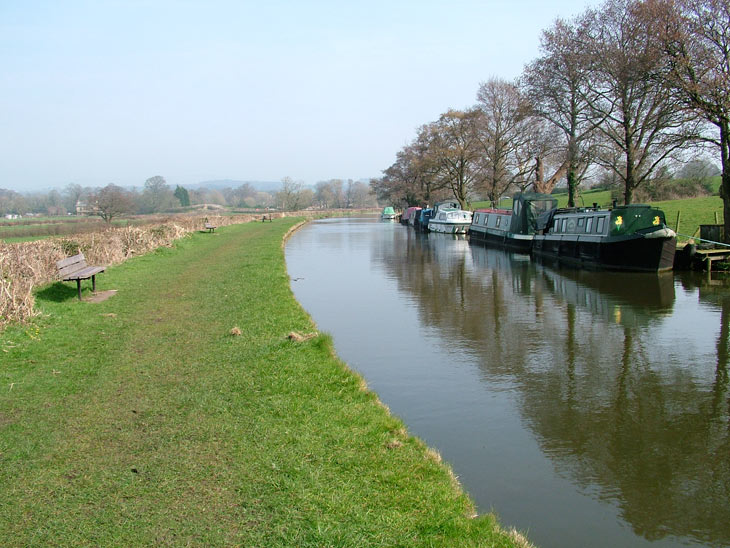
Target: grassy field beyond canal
{"points": [[143, 420]]}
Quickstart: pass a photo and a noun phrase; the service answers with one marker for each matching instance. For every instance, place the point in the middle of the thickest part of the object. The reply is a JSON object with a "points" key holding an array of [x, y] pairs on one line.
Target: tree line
{"points": [[157, 196], [623, 93]]}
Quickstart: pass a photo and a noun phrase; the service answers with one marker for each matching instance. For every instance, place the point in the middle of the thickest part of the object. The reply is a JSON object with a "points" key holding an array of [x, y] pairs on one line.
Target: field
{"points": [[199, 406], [34, 228]]}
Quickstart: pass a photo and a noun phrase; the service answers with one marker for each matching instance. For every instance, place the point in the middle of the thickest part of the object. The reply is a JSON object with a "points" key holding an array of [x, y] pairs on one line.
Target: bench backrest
{"points": [[71, 264]]}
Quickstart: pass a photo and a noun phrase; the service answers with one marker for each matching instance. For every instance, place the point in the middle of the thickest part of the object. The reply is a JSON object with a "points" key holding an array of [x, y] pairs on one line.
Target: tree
{"points": [[361, 195], [642, 124], [323, 195], [695, 37], [157, 195], [73, 193], [113, 201], [292, 197], [454, 148], [557, 85], [507, 143], [12, 202], [403, 181], [182, 195]]}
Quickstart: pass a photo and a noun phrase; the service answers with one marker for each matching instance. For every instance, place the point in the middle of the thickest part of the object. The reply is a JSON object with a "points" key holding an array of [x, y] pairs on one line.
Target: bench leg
{"points": [[93, 284], [78, 288]]}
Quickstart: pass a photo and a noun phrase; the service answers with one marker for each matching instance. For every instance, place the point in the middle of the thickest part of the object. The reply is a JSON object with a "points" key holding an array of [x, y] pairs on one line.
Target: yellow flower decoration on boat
{"points": [[656, 221], [619, 221]]}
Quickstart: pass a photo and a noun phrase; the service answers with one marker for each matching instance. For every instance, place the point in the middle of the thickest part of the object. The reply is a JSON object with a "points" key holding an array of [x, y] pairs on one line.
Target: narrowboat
{"points": [[409, 214], [388, 214], [633, 237], [511, 228], [449, 218], [421, 222]]}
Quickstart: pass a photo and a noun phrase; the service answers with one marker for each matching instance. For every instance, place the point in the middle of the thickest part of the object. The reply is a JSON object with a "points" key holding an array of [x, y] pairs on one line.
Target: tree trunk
{"points": [[539, 175], [725, 186], [571, 187]]}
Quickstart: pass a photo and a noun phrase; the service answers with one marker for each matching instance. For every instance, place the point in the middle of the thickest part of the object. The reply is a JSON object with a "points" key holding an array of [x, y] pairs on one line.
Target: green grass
{"points": [[693, 213], [142, 420]]}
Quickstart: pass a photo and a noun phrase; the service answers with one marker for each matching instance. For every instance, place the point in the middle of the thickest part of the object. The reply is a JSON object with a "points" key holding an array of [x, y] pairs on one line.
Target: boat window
{"points": [[571, 225], [442, 216], [600, 224], [589, 224], [499, 221], [516, 207], [476, 218], [581, 221]]}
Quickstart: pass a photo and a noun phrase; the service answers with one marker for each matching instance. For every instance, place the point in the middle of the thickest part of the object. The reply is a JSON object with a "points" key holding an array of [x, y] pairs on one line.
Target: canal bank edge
{"points": [[156, 423], [519, 539]]}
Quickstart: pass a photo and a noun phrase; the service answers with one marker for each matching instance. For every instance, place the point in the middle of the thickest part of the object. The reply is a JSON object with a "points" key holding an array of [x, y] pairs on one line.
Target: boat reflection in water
{"points": [[587, 408], [625, 408]]}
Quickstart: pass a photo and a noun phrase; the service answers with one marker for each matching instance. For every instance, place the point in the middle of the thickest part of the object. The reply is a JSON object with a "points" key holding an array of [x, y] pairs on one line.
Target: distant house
{"points": [[82, 208]]}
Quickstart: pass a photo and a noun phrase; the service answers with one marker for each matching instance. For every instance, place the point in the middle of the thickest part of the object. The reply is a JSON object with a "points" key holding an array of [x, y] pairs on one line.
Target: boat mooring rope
{"points": [[703, 240]]}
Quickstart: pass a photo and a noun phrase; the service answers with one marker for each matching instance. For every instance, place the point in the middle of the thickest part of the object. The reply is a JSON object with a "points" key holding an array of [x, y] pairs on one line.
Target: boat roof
{"points": [[494, 210]]}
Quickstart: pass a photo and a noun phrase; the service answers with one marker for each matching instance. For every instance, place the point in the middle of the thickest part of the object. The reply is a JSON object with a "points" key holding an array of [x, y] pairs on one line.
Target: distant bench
{"points": [[75, 268], [209, 227]]}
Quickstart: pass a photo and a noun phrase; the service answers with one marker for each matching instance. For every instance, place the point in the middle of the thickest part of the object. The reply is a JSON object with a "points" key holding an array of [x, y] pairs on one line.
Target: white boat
{"points": [[449, 218]]}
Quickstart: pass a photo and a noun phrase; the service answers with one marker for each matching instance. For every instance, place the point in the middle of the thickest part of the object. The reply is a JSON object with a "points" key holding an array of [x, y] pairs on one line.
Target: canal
{"points": [[584, 408]]}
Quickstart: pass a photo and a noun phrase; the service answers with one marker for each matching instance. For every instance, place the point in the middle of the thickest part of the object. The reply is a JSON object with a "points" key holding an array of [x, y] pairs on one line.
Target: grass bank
{"points": [[143, 420]]}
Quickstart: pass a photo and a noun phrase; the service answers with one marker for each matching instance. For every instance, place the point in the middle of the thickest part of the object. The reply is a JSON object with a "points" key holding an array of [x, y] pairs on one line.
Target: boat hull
{"points": [[630, 253], [448, 228], [502, 239]]}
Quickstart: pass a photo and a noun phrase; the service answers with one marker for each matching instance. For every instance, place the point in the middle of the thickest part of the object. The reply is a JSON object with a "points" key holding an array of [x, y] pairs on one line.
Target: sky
{"points": [[105, 91]]}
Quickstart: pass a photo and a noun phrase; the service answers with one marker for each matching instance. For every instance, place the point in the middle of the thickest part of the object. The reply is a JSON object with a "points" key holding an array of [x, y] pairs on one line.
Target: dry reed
{"points": [[26, 265]]}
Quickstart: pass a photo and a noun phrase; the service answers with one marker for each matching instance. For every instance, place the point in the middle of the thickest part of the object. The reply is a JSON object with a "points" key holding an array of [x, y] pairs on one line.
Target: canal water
{"points": [[584, 408]]}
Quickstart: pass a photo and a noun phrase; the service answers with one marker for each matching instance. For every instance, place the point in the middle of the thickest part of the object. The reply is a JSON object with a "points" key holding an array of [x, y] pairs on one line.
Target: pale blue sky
{"points": [[95, 92]]}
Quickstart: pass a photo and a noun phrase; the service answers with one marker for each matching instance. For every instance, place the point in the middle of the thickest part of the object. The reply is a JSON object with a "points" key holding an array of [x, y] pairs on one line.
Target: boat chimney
{"points": [[595, 206], [614, 204]]}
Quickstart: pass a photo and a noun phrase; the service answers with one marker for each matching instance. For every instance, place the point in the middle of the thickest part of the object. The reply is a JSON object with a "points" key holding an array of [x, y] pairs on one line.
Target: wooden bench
{"points": [[209, 227], [75, 268]]}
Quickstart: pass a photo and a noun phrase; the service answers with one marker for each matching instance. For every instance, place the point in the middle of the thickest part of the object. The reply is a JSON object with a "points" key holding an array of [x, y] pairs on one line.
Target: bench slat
{"points": [[78, 260], [84, 273]]}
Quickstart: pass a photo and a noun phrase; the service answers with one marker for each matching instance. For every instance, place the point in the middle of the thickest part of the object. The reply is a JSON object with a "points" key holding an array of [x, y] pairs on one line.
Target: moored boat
{"points": [[449, 218], [511, 228], [409, 215], [633, 237], [421, 222], [388, 213]]}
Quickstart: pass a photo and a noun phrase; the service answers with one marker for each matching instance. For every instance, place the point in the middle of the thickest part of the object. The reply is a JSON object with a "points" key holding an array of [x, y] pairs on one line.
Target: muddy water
{"points": [[587, 409]]}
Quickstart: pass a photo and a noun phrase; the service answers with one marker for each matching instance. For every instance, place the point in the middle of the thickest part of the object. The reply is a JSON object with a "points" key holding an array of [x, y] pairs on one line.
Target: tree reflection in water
{"points": [[567, 399], [627, 413]]}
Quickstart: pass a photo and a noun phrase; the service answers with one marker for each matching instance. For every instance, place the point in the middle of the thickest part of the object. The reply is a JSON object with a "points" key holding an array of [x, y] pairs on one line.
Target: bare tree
{"points": [[506, 142], [414, 176], [642, 123], [557, 85], [323, 195], [157, 195], [292, 197], [112, 201], [454, 148], [695, 36], [73, 192]]}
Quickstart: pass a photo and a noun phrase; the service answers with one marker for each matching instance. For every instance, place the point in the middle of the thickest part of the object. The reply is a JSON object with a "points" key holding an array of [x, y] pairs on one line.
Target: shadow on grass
{"points": [[57, 293]]}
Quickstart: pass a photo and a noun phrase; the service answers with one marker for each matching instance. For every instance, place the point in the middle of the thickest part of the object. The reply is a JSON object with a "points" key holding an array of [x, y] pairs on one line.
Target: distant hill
{"points": [[264, 186]]}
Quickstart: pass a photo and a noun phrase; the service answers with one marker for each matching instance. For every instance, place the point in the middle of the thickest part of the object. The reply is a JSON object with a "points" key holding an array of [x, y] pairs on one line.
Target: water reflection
{"points": [[620, 379]]}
